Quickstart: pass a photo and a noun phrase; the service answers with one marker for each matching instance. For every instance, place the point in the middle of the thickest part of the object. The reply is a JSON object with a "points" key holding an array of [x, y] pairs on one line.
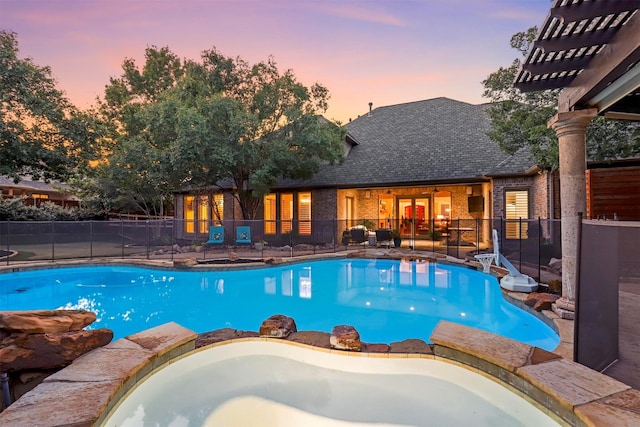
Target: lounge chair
{"points": [[383, 237], [216, 235], [358, 235], [243, 235]]}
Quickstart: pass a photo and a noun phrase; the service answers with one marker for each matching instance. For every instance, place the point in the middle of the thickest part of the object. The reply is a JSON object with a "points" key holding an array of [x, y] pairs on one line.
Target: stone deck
{"points": [[569, 392]]}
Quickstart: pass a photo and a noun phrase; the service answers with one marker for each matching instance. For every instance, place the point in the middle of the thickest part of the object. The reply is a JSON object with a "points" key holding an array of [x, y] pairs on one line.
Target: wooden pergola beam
{"points": [[622, 52]]}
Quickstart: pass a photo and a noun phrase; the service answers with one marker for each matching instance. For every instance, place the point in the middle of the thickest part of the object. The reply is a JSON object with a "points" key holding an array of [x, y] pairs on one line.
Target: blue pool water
{"points": [[385, 300]]}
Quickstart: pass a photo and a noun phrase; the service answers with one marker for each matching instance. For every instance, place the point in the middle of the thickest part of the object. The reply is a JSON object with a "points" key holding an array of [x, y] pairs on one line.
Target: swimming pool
{"points": [[271, 383], [385, 300]]}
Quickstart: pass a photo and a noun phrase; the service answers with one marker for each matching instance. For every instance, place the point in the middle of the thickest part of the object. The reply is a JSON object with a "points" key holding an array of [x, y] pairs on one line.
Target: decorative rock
{"points": [[376, 348], [48, 351], [218, 335], [274, 261], [345, 337], [181, 263], [314, 338], [278, 326], [233, 257], [555, 264], [45, 321], [412, 345], [540, 300]]}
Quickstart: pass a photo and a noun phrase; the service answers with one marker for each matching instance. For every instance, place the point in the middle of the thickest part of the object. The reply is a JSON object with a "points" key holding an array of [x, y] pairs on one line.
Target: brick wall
{"points": [[500, 185]]}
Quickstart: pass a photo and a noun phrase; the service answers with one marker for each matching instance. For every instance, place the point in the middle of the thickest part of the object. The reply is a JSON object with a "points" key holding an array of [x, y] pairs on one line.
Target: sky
{"points": [[382, 51]]}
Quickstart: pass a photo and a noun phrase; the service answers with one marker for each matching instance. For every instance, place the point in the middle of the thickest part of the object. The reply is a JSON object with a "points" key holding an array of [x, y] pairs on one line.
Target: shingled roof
{"points": [[436, 141]]}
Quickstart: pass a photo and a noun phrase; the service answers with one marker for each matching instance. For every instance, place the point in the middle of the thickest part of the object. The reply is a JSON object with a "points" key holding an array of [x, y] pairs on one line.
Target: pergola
{"points": [[590, 49]]}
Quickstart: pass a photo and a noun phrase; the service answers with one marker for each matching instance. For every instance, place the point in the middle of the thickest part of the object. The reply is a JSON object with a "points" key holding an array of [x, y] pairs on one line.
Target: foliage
{"points": [[368, 224], [218, 122], [395, 234], [42, 134], [14, 209], [519, 120]]}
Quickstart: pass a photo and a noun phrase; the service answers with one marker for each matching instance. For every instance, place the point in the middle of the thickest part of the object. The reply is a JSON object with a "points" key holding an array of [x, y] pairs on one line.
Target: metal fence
{"points": [[529, 244]]}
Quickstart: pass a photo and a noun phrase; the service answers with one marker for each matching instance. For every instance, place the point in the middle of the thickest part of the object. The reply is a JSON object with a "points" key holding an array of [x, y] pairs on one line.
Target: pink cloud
{"points": [[368, 12]]}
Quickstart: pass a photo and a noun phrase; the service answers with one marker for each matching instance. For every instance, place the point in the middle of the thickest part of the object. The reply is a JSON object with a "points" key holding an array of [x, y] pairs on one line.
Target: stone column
{"points": [[570, 127]]}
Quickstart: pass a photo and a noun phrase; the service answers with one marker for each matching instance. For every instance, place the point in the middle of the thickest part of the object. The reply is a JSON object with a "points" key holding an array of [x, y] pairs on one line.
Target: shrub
{"points": [[14, 209]]}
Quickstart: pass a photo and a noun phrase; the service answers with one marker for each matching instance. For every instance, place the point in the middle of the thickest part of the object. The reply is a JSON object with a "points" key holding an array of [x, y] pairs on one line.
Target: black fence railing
{"points": [[529, 244]]}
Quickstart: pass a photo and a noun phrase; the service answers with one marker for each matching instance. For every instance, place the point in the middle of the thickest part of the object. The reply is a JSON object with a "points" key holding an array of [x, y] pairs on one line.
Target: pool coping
{"points": [[94, 384]]}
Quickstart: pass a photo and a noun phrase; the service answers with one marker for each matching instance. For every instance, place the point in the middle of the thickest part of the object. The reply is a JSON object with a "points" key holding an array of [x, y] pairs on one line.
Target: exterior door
{"points": [[413, 214]]}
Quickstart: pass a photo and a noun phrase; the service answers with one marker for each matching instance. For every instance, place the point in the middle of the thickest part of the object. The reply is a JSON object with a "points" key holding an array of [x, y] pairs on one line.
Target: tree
{"points": [[41, 133], [215, 123], [519, 119]]}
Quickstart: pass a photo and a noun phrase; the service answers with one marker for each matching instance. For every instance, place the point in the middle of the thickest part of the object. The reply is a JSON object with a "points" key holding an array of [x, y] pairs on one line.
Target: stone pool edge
{"points": [[85, 392]]}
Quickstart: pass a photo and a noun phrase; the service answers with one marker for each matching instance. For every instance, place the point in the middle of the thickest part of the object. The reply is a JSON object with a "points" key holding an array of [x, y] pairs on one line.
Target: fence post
{"points": [[477, 236], [90, 239], [8, 240], [520, 243], [148, 238], [173, 236], [539, 249], [53, 241], [458, 241], [335, 233], [122, 236]]}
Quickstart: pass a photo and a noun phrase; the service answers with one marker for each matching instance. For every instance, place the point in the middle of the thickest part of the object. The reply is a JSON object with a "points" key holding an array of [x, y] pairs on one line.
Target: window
{"points": [[270, 214], [217, 205], [202, 209], [286, 212], [516, 209], [189, 214], [304, 214], [40, 196], [203, 214]]}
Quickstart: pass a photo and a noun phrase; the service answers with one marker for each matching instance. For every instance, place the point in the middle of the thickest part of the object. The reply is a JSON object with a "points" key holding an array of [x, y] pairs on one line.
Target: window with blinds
{"points": [[189, 214], [203, 214], [217, 206], [516, 213], [286, 212], [270, 214], [304, 214], [200, 210]]}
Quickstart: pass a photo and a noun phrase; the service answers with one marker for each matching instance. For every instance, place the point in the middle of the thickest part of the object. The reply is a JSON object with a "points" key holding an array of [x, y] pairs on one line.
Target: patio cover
{"points": [[591, 48]]}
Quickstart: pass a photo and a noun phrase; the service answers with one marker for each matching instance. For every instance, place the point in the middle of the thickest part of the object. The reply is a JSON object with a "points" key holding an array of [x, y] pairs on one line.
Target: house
{"points": [[417, 166], [35, 192]]}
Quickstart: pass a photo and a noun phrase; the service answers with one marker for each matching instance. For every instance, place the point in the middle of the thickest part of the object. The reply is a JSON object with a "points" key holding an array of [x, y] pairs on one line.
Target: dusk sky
{"points": [[385, 51]]}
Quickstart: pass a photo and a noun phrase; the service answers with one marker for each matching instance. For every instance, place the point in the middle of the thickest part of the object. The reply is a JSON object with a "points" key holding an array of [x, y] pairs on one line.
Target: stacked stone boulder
{"points": [[35, 344]]}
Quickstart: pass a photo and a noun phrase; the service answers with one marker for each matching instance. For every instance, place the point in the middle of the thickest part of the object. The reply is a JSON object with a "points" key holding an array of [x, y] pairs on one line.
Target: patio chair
{"points": [[358, 235], [243, 235], [383, 237], [216, 235]]}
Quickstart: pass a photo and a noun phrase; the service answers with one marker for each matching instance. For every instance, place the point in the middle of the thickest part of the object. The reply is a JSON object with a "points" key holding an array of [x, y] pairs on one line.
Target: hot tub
{"points": [[273, 383]]}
